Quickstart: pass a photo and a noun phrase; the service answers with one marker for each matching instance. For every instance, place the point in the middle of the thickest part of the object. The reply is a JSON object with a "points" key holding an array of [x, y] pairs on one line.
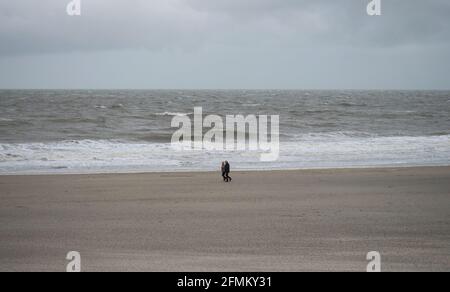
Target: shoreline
{"points": [[234, 171]]}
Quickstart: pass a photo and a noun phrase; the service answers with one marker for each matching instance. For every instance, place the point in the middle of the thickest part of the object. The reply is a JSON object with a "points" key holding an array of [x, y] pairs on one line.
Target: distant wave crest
{"points": [[174, 114]]}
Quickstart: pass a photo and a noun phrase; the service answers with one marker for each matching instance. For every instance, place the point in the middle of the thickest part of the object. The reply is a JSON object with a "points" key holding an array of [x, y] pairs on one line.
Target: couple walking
{"points": [[226, 171]]}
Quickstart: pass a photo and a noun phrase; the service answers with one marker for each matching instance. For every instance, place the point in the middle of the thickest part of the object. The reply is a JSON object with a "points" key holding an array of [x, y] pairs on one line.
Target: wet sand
{"points": [[315, 220]]}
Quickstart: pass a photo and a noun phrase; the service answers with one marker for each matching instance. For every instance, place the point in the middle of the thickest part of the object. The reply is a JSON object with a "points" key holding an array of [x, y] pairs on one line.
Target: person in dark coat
{"points": [[223, 172], [227, 170]]}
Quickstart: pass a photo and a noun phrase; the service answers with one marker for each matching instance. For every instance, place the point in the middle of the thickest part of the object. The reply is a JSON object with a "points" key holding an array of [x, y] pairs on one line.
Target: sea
{"points": [[123, 131]]}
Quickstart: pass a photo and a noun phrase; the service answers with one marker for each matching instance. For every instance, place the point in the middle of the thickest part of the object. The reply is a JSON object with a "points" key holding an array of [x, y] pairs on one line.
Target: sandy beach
{"points": [[315, 220]]}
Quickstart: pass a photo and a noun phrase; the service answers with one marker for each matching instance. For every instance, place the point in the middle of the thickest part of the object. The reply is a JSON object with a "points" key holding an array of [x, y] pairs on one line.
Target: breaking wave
{"points": [[310, 151]]}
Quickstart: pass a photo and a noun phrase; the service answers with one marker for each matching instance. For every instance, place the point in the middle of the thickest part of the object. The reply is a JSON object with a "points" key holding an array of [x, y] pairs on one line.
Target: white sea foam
{"points": [[311, 151], [173, 114]]}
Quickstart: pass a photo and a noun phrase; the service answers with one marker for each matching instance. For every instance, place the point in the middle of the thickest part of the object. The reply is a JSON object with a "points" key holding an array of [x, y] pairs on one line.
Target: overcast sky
{"points": [[292, 44]]}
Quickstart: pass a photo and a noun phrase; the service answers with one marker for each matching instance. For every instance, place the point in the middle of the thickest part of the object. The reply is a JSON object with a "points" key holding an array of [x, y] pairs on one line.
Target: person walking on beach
{"points": [[227, 170], [223, 171]]}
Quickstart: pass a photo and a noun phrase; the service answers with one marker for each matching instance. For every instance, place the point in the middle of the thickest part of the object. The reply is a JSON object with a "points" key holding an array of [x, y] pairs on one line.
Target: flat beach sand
{"points": [[313, 220]]}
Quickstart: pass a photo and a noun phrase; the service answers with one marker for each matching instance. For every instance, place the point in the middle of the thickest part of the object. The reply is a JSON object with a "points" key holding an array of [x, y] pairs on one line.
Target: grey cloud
{"points": [[43, 27], [225, 44]]}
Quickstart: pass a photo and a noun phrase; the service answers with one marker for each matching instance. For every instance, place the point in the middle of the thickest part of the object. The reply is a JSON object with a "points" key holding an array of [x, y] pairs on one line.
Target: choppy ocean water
{"points": [[60, 131]]}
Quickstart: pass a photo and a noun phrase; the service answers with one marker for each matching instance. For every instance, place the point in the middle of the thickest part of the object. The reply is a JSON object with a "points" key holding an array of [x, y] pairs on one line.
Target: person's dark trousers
{"points": [[224, 175], [227, 176]]}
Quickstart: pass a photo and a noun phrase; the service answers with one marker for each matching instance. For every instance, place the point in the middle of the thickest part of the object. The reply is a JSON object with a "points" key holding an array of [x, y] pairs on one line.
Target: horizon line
{"points": [[230, 89]]}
